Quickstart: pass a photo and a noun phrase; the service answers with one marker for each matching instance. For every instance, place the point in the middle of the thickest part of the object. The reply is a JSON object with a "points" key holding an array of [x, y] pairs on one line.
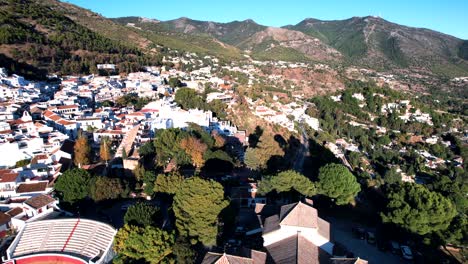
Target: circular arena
{"points": [[62, 241]]}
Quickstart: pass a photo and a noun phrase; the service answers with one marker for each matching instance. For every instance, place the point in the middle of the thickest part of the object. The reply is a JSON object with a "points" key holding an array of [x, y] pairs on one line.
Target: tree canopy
{"points": [[104, 150], [338, 183], [188, 98], [286, 181], [73, 185], [196, 206], [168, 183], [195, 148], [415, 208], [105, 188], [141, 214], [82, 151], [167, 146], [392, 176], [257, 158], [151, 244]]}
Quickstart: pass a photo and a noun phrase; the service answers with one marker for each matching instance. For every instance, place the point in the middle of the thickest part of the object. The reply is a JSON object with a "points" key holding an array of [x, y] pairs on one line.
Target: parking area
{"points": [[342, 233]]}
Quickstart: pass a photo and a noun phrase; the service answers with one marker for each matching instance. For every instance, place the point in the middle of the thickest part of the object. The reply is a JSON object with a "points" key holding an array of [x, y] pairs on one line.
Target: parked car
{"points": [[370, 236], [406, 252], [395, 247], [382, 245], [359, 232]]}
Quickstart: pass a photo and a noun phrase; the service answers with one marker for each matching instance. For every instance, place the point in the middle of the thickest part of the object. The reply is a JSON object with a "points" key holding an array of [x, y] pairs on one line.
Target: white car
{"points": [[406, 252]]}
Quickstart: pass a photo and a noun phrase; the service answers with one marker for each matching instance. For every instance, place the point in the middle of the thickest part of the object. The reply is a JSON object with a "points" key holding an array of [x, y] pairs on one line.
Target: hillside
{"points": [[264, 43], [232, 33], [370, 42], [175, 36], [49, 36], [37, 38], [289, 45], [377, 43]]}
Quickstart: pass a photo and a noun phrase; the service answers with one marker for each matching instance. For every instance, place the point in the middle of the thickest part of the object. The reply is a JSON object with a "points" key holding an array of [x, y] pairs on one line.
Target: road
{"points": [[341, 232], [303, 152]]}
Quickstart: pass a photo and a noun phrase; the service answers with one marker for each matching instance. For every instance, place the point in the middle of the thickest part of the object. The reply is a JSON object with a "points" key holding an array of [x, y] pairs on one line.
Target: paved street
{"points": [[341, 232]]}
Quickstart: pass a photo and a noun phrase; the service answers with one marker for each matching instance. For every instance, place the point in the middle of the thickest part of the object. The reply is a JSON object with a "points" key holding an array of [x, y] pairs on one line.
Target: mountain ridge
{"points": [[368, 41]]}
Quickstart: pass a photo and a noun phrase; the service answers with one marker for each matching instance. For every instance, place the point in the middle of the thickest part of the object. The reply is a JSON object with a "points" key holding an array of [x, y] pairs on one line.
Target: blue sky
{"points": [[447, 16]]}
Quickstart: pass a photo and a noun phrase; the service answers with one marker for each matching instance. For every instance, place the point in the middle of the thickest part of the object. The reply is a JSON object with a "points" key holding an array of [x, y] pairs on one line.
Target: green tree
{"points": [[338, 183], [415, 208], [354, 159], [174, 82], [183, 251], [141, 214], [392, 176], [457, 232], [149, 177], [196, 206], [257, 158], [22, 163], [188, 98], [168, 183], [167, 146], [251, 159], [286, 181], [73, 185], [104, 188], [146, 149], [151, 244]]}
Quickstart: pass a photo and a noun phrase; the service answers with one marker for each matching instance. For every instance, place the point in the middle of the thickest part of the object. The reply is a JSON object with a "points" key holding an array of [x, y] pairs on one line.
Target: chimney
{"points": [[309, 201]]}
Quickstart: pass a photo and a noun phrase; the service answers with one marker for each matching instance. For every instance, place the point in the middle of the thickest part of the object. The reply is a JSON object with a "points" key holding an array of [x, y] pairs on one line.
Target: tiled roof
{"points": [[4, 218], [300, 215], [255, 257], [296, 249], [67, 106], [348, 261], [8, 176], [32, 187], [39, 201], [271, 224], [15, 211]]}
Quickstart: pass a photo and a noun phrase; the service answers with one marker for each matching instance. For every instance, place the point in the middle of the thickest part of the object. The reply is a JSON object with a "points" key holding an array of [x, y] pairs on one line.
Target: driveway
{"points": [[341, 232]]}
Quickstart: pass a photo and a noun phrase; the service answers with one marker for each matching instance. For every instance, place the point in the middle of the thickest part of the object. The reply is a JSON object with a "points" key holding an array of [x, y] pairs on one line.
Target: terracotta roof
{"points": [[65, 122], [15, 211], [8, 176], [67, 106], [4, 218], [296, 249], [32, 187], [255, 257], [271, 224], [301, 215], [348, 261], [39, 201]]}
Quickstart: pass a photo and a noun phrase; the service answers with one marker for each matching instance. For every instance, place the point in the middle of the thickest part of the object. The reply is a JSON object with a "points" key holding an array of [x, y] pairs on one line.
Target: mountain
{"points": [[265, 43], [181, 35], [37, 37], [48, 36], [370, 42], [289, 45], [377, 43], [40, 37]]}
